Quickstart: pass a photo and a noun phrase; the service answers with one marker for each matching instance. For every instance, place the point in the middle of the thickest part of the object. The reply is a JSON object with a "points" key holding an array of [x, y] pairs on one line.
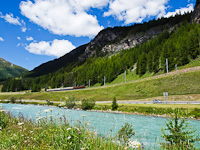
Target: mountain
{"points": [[110, 41], [8, 70]]}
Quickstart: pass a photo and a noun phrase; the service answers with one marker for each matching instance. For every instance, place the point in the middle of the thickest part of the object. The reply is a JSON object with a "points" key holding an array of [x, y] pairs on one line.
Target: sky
{"points": [[33, 32]]}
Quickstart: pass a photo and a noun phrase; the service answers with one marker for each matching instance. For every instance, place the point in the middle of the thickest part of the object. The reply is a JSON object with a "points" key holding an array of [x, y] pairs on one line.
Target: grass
{"points": [[18, 133], [193, 111], [1, 87], [193, 63], [177, 84]]}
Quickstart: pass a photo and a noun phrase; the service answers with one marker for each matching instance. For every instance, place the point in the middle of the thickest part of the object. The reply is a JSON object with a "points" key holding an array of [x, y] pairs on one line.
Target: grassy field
{"points": [[131, 75], [178, 84]]}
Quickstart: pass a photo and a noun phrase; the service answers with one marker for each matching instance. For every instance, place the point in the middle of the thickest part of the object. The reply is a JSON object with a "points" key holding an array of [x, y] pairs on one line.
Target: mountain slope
{"points": [[8, 70], [110, 41]]}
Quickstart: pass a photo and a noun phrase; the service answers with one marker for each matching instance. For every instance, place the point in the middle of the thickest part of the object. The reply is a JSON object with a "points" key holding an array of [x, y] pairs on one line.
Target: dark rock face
{"points": [[196, 13]]}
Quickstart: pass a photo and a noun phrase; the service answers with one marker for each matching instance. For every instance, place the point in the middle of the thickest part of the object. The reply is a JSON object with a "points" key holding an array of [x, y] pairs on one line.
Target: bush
{"points": [[87, 104], [125, 133], [70, 102], [114, 104], [13, 100]]}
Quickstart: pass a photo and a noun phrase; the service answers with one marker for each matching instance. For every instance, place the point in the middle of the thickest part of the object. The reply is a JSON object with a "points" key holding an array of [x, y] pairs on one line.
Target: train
{"points": [[66, 88]]}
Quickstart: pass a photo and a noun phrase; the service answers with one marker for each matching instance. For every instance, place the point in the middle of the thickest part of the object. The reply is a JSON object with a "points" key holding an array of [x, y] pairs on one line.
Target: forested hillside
{"points": [[179, 47], [9, 70]]}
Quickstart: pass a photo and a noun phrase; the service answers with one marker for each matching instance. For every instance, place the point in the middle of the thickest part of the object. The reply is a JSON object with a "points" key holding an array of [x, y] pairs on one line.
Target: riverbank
{"points": [[156, 110]]}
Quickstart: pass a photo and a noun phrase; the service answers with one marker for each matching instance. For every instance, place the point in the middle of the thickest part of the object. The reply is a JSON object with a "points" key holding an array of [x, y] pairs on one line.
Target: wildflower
{"points": [[68, 129], [102, 136], [2, 110], [79, 133], [134, 144], [142, 146], [60, 118], [48, 110], [86, 138], [69, 137], [40, 118], [20, 123]]}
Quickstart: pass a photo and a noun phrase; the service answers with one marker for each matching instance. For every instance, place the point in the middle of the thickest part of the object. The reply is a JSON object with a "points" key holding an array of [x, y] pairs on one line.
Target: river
{"points": [[147, 128]]}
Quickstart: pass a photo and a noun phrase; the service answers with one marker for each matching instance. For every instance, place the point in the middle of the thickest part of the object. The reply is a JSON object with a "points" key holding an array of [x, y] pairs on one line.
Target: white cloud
{"points": [[1, 39], [19, 38], [52, 48], [29, 38], [189, 8], [12, 20], [64, 17], [131, 11], [18, 44]]}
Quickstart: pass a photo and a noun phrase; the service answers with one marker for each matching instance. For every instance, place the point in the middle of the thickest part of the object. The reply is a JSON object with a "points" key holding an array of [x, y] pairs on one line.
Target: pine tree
{"points": [[114, 104], [179, 135]]}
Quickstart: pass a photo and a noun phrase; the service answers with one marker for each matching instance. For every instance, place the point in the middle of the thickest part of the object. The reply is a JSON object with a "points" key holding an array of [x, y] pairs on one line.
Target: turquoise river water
{"points": [[147, 128]]}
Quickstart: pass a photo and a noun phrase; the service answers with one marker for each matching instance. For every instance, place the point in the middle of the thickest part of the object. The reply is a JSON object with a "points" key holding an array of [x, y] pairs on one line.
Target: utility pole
{"points": [[164, 96], [125, 75], [104, 80], [167, 65], [176, 68]]}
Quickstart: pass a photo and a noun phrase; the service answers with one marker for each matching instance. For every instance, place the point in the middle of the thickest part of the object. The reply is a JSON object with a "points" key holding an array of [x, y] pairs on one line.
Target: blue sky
{"points": [[33, 32]]}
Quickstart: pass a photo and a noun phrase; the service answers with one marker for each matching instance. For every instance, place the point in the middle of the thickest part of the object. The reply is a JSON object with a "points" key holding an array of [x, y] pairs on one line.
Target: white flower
{"points": [[134, 144], [69, 137], [40, 118], [48, 110], [2, 110], [68, 129], [21, 123]]}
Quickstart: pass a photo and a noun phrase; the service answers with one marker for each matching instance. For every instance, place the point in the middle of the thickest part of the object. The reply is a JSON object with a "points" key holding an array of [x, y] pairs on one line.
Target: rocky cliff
{"points": [[196, 13]]}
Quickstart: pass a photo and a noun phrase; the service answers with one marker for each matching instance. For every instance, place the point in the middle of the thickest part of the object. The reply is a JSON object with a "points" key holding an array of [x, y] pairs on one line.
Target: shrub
{"points": [[13, 100], [114, 104], [87, 104], [70, 102], [125, 133], [180, 134], [49, 102]]}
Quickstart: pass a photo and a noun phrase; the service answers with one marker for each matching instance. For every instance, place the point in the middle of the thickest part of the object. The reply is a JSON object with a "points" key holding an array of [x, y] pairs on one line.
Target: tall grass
{"points": [[50, 133]]}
